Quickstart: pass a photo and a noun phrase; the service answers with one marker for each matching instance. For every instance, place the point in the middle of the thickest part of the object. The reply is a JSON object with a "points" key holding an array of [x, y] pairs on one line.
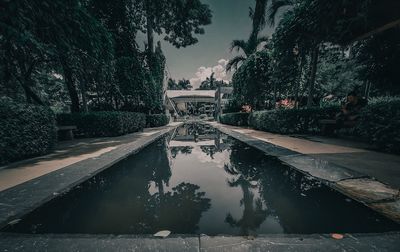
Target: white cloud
{"points": [[204, 72]]}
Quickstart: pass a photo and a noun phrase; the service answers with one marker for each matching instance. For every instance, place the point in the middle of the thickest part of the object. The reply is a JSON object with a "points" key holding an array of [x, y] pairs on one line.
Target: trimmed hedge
{"points": [[104, 123], [25, 131], [156, 120], [289, 121], [235, 119], [379, 124]]}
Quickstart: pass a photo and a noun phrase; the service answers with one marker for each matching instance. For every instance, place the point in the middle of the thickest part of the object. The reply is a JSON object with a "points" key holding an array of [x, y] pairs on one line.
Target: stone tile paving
{"points": [[60, 243], [377, 242]]}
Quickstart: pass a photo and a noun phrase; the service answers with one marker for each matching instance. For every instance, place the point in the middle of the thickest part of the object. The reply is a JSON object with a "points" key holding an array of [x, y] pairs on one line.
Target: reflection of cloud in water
{"points": [[218, 160], [190, 143]]}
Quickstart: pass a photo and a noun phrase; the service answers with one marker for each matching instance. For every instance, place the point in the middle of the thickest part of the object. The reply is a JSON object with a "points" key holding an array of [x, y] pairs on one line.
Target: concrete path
{"points": [[65, 154], [354, 156]]}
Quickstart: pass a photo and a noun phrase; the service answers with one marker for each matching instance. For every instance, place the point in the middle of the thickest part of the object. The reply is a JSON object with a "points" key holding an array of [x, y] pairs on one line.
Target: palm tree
{"points": [[254, 213], [258, 17], [275, 6], [247, 47], [264, 13]]}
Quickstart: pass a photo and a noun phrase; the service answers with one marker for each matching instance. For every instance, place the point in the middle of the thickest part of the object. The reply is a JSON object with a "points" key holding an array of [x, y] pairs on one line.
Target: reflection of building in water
{"points": [[200, 135]]}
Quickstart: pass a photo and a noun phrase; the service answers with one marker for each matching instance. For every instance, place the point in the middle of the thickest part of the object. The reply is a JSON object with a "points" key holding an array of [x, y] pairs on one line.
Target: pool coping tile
{"points": [[319, 168], [389, 241], [60, 243], [368, 190], [350, 242]]}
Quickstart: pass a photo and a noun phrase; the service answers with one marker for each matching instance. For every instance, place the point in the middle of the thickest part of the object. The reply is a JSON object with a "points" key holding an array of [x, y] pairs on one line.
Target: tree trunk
{"points": [[314, 62], [26, 82], [69, 81], [297, 90], [31, 96], [83, 94], [150, 35]]}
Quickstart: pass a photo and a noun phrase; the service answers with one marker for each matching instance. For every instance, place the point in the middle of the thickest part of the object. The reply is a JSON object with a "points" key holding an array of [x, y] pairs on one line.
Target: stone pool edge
{"points": [[21, 199], [374, 194], [274, 242]]}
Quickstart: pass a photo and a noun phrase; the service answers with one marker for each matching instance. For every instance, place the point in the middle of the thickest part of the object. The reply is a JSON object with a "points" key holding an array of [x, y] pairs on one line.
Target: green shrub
{"points": [[104, 123], [236, 119], [25, 131], [289, 121], [156, 120], [379, 123]]}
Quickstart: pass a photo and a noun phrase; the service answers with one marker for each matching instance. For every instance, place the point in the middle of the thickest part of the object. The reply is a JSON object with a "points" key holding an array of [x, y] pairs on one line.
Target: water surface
{"points": [[201, 181]]}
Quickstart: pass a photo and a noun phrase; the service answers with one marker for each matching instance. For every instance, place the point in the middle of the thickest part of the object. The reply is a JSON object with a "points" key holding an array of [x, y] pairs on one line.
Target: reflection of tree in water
{"points": [[179, 210], [209, 150], [161, 168], [199, 129], [242, 166], [305, 205], [180, 149]]}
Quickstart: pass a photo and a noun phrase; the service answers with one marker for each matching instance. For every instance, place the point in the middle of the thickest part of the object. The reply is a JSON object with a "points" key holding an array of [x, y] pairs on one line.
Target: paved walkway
{"points": [[354, 156], [65, 154]]}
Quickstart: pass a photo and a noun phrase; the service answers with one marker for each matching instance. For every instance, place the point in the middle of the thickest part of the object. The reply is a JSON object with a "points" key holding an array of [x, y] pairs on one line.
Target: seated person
{"points": [[351, 109]]}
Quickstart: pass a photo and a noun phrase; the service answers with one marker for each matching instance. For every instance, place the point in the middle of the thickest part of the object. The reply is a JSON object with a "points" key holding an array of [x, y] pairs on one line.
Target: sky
{"points": [[230, 21]]}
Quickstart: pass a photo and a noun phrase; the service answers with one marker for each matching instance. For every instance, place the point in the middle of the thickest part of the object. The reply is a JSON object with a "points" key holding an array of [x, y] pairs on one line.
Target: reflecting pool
{"points": [[199, 181]]}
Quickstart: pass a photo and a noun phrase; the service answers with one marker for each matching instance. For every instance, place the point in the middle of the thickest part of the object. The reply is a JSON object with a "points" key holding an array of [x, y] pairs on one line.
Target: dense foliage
{"points": [[235, 119], [380, 124], [156, 120], [82, 55], [251, 80], [104, 123], [25, 130], [320, 48]]}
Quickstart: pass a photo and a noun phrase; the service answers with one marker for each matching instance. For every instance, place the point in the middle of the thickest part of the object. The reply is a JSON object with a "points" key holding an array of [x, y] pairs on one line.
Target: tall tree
{"points": [[178, 20], [258, 17], [68, 28]]}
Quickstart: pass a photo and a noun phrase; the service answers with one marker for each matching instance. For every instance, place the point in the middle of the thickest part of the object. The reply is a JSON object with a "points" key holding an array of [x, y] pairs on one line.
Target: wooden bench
{"points": [[66, 132], [328, 126]]}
